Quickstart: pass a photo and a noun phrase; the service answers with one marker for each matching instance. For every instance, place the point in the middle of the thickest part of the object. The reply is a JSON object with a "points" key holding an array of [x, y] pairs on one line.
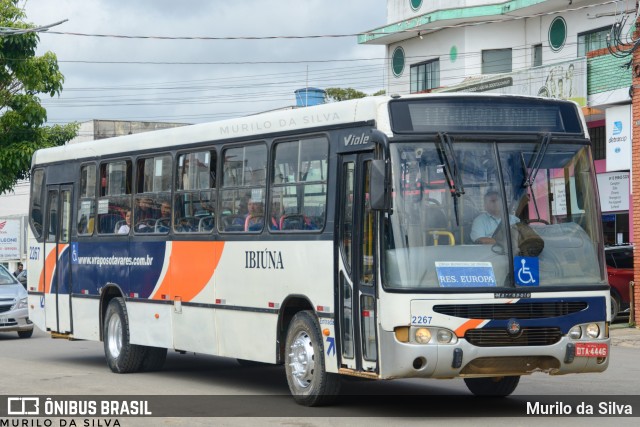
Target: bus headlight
{"points": [[445, 336], [423, 336], [575, 332], [593, 330]]}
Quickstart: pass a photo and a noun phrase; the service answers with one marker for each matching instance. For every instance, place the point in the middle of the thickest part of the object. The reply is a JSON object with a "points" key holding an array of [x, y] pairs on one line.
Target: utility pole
{"points": [[634, 92]]}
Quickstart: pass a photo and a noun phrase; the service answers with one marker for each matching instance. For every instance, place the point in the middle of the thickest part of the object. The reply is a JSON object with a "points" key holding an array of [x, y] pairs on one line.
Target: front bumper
{"points": [[462, 359], [15, 321]]}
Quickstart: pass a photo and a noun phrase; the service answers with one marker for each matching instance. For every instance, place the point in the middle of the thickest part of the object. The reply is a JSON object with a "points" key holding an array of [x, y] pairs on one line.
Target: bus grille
{"points": [[509, 311], [5, 308], [501, 338]]}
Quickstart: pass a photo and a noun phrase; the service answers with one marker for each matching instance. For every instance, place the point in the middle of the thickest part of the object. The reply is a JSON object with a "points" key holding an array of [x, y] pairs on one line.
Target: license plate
{"points": [[3, 319], [589, 349]]}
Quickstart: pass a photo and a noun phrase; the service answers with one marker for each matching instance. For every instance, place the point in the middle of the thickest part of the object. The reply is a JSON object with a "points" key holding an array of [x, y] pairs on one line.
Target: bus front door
{"points": [[357, 266], [57, 259]]}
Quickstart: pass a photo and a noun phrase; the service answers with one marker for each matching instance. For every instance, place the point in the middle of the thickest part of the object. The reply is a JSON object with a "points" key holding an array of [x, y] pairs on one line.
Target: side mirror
{"points": [[379, 191]]}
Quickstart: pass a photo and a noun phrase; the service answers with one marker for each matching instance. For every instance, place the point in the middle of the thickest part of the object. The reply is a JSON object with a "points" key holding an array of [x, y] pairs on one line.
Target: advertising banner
{"points": [[9, 239], [618, 134], [563, 80]]}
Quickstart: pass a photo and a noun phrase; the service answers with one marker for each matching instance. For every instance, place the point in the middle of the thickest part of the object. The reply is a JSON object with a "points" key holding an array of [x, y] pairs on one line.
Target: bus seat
{"points": [[292, 222], [206, 223], [145, 226], [436, 220], [162, 225], [233, 222], [186, 224], [108, 222], [119, 224]]}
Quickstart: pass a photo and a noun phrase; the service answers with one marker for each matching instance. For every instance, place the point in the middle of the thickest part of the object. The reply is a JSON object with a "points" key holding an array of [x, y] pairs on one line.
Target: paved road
{"points": [[44, 366]]}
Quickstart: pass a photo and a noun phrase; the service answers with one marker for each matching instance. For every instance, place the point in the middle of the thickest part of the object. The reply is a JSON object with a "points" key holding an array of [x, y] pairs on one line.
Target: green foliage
{"points": [[24, 76], [340, 94]]}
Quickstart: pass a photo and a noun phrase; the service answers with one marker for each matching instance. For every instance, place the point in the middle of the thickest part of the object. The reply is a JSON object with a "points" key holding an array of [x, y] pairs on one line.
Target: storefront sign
{"points": [[614, 191], [618, 133], [9, 239]]}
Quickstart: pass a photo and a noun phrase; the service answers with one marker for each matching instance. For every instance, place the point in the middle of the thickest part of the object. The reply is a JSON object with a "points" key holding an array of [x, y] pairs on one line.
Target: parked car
{"points": [[619, 261], [14, 315]]}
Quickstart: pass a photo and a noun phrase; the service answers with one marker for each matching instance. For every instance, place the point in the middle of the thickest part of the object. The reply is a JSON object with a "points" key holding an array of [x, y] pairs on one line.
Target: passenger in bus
{"points": [[124, 228], [144, 209], [485, 225], [164, 222], [165, 210], [254, 219]]}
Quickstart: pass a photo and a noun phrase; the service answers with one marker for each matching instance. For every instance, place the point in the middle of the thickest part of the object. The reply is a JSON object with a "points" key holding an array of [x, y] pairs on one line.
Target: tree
{"points": [[23, 76], [340, 94]]}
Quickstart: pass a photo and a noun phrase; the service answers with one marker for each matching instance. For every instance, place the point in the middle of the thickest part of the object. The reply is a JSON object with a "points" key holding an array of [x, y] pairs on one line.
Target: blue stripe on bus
{"points": [[135, 267], [595, 311]]}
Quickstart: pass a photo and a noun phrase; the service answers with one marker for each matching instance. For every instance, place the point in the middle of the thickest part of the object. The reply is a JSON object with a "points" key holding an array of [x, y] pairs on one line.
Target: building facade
{"points": [[551, 48], [581, 50]]}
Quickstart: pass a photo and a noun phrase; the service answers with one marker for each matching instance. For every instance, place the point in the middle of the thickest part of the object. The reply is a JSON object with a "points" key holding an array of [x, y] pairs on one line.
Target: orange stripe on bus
{"points": [[470, 324], [191, 267], [46, 277]]}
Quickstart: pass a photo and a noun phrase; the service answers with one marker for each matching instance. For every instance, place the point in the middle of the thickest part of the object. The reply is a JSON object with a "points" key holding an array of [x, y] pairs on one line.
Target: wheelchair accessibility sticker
{"points": [[527, 270], [74, 253]]}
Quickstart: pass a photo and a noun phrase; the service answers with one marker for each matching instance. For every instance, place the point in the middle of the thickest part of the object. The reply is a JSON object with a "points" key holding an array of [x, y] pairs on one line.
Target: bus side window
{"points": [[152, 209], [299, 185], [242, 198], [195, 196], [86, 205], [115, 194]]}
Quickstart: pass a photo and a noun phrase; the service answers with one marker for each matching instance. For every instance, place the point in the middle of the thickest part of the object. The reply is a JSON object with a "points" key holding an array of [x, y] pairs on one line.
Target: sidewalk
{"points": [[624, 336]]}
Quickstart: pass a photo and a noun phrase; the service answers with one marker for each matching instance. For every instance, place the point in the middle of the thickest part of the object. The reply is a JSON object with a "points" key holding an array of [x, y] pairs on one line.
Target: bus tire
{"points": [[122, 356], [309, 382], [615, 306], [154, 359], [494, 386]]}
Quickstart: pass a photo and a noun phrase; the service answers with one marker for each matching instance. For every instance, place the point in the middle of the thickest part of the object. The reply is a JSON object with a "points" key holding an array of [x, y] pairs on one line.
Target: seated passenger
{"points": [[255, 216], [486, 224], [124, 228]]}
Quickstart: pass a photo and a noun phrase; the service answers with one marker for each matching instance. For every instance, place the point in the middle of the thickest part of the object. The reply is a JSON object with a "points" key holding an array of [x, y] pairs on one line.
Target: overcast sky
{"points": [[149, 80]]}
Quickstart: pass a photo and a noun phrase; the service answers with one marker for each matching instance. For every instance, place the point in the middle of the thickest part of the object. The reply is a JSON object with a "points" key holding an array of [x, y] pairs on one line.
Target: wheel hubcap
{"points": [[301, 360], [114, 336]]}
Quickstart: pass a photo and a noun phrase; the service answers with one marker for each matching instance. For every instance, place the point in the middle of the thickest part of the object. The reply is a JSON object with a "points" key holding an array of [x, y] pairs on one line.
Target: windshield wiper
{"points": [[450, 165], [534, 167], [445, 146]]}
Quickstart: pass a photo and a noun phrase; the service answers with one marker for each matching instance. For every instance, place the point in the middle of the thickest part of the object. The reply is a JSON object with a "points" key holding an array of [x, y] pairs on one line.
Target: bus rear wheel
{"points": [[122, 356], [308, 379], [494, 386]]}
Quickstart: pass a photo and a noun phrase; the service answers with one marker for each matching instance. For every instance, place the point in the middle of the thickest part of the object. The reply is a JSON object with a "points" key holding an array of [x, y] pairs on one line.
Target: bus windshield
{"points": [[452, 200]]}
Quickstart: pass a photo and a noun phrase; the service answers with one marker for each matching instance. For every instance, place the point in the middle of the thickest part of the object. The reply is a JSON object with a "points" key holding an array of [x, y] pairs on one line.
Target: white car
{"points": [[14, 314]]}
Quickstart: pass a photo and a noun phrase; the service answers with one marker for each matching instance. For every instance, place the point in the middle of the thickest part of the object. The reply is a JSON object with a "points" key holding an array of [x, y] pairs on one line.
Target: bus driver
{"points": [[485, 224]]}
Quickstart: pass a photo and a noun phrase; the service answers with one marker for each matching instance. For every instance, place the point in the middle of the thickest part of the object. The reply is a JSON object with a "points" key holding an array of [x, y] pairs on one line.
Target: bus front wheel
{"points": [[122, 356], [308, 380], [494, 386]]}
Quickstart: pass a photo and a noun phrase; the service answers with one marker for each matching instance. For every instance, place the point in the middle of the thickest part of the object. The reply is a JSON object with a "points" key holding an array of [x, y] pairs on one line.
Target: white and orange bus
{"points": [[340, 239]]}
